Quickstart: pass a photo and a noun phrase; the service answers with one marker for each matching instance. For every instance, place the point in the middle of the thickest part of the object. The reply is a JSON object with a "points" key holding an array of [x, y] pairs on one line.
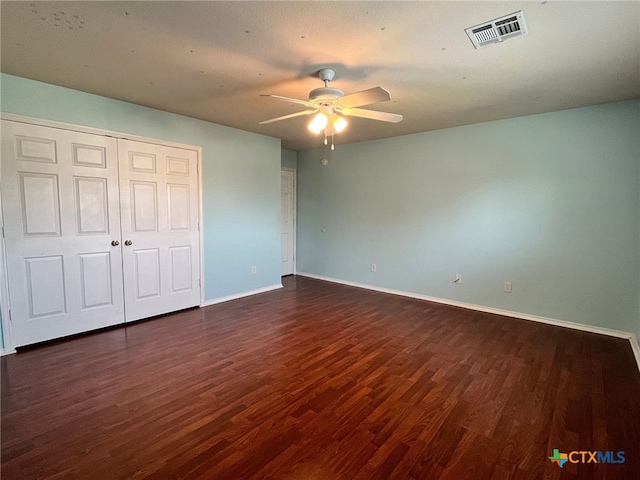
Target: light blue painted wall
{"points": [[549, 202], [241, 176], [289, 158]]}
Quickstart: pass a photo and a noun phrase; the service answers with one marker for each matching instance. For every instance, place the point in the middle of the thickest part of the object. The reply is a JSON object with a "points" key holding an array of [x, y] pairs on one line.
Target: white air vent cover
{"points": [[497, 30]]}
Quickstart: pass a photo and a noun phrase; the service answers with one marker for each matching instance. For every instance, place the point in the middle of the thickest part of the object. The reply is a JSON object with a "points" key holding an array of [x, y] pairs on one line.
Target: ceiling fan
{"points": [[330, 105]]}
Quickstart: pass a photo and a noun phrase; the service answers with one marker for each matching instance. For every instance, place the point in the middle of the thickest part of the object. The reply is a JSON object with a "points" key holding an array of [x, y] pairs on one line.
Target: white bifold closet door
{"points": [[159, 202], [61, 215], [71, 201]]}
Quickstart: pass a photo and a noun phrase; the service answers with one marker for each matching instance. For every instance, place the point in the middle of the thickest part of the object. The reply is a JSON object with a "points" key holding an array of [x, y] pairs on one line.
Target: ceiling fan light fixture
{"points": [[339, 123], [318, 123], [326, 103]]}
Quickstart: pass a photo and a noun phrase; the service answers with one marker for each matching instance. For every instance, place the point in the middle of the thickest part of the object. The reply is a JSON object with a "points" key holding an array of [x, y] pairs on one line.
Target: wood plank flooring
{"points": [[319, 381]]}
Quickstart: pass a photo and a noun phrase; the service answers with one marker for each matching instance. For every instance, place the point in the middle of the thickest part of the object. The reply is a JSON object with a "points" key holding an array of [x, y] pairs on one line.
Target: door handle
{"points": [[115, 243], [128, 242]]}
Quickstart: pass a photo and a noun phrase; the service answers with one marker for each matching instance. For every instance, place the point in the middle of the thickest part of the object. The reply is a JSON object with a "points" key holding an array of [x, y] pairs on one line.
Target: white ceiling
{"points": [[211, 60]]}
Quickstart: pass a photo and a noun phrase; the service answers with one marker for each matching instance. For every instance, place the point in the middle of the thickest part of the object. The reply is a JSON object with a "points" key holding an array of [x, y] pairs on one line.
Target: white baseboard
{"points": [[7, 352], [235, 296], [481, 308]]}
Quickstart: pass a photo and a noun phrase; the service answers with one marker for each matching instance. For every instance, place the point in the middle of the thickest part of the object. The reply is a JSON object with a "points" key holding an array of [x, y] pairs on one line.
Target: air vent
{"points": [[497, 30]]}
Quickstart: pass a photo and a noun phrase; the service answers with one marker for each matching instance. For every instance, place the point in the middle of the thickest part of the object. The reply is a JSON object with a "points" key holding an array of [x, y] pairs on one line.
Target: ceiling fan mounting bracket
{"points": [[326, 74]]}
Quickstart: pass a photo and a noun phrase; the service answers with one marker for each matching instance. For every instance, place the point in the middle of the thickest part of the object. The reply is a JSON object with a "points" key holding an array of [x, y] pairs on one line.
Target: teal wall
{"points": [[549, 202], [240, 175], [289, 158]]}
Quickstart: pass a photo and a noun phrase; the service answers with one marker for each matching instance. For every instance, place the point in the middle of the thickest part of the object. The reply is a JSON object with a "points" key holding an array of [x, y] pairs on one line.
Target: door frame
{"points": [[7, 345], [295, 215]]}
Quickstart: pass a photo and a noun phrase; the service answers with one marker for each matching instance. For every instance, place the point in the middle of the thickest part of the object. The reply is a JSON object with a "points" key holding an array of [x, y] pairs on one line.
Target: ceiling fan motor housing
{"points": [[325, 94]]}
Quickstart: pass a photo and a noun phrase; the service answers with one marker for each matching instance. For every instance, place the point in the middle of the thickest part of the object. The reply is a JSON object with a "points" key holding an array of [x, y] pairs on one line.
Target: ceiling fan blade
{"points": [[291, 115], [372, 114], [365, 97], [291, 100]]}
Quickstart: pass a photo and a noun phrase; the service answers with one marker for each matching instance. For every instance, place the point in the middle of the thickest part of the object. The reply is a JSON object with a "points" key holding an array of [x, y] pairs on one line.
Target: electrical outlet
{"points": [[374, 267], [507, 287], [254, 270], [458, 279]]}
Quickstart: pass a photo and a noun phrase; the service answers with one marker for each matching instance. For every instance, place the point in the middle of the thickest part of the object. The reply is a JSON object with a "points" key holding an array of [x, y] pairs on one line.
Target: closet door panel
{"points": [[61, 212], [159, 201]]}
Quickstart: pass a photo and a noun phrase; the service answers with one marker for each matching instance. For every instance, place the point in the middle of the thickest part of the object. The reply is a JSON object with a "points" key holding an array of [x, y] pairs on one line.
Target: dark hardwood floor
{"points": [[319, 381]]}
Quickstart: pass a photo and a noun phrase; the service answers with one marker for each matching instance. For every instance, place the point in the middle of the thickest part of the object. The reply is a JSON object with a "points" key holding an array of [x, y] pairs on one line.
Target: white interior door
{"points": [[160, 232], [287, 219], [61, 214]]}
